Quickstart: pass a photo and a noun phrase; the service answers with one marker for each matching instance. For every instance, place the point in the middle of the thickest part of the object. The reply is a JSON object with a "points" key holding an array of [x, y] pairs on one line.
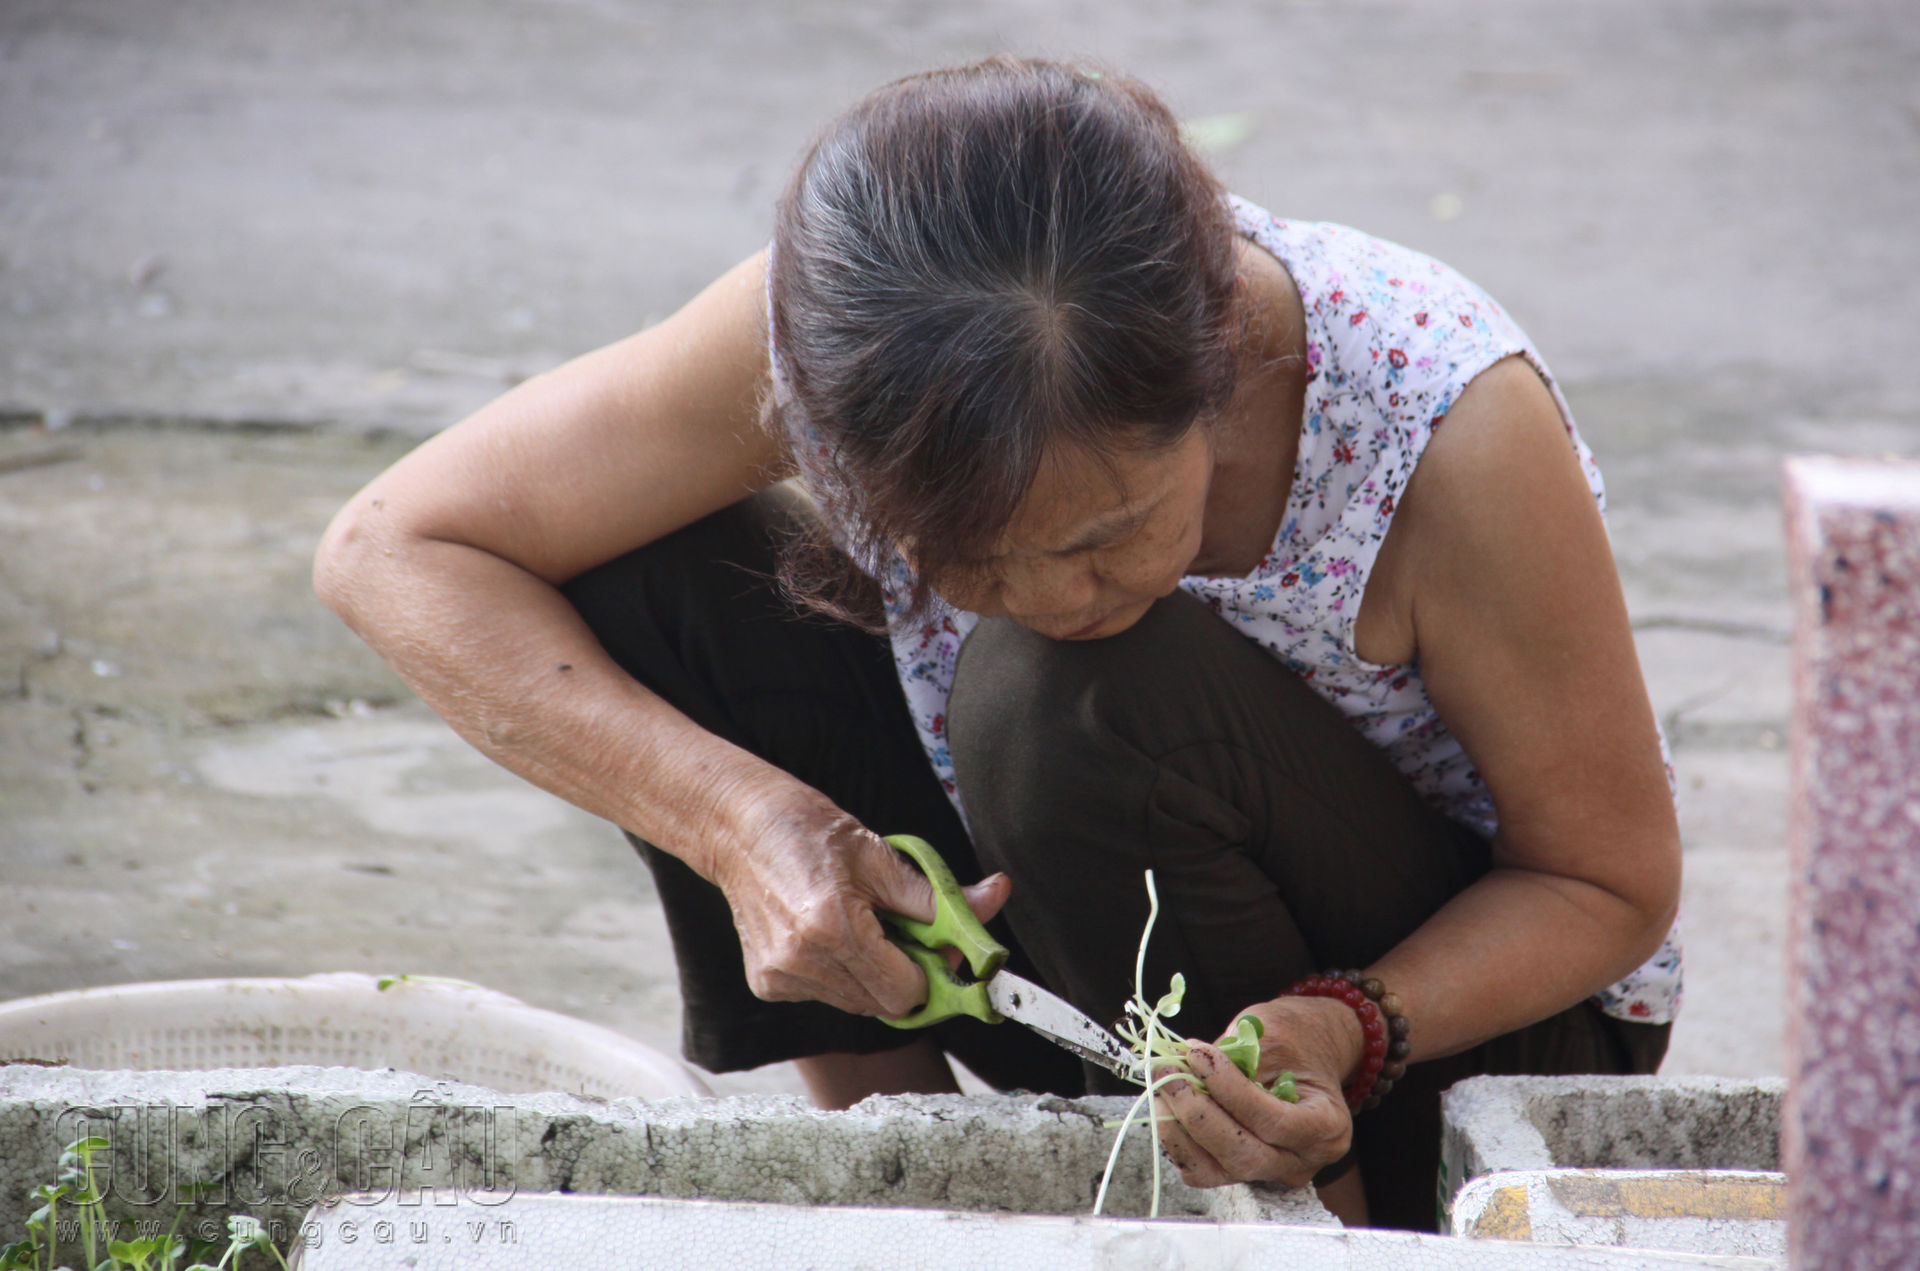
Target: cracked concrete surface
{"points": [[332, 230]]}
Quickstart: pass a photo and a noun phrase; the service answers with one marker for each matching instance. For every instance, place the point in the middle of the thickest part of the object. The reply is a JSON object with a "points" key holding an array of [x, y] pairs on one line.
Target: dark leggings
{"points": [[1281, 841]]}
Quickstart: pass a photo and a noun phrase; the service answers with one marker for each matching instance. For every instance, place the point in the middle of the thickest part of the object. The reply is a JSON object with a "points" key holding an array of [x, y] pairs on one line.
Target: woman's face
{"points": [[1095, 542]]}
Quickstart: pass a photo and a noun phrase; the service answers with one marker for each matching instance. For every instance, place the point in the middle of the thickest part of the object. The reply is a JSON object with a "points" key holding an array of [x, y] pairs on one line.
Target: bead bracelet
{"points": [[1385, 1029]]}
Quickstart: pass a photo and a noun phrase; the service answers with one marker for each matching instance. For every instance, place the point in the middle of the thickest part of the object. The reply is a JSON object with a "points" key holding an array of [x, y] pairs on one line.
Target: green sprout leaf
{"points": [[1243, 1048], [386, 982], [1283, 1088], [1169, 1003]]}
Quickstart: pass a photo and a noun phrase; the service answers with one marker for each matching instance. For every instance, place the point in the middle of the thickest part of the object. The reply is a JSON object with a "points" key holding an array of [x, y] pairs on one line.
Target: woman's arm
{"points": [[1526, 651], [1497, 575], [448, 565]]}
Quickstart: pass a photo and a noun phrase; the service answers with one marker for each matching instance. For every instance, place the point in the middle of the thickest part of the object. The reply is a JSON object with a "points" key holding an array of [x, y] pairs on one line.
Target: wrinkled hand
{"points": [[806, 892], [1236, 1131]]}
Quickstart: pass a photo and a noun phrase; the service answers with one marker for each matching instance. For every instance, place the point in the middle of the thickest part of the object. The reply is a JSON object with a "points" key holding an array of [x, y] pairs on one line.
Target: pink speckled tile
{"points": [[1851, 1131]]}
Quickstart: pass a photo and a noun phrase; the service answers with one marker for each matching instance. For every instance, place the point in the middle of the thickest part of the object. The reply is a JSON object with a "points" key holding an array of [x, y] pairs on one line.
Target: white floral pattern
{"points": [[1392, 338]]}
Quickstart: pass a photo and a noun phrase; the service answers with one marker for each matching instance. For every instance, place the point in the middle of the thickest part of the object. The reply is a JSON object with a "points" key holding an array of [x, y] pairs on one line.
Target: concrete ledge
{"points": [[551, 1231], [1701, 1211], [273, 1142]]}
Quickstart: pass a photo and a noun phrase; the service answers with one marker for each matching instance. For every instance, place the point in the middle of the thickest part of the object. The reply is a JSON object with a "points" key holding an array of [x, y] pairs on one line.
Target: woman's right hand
{"points": [[807, 884]]}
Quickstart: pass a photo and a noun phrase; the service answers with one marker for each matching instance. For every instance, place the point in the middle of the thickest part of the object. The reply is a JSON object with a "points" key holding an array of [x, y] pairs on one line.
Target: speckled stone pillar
{"points": [[1852, 1121]]}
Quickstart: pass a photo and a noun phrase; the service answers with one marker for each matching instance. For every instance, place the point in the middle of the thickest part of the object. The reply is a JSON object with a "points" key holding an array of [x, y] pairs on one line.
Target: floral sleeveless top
{"points": [[1392, 338]]}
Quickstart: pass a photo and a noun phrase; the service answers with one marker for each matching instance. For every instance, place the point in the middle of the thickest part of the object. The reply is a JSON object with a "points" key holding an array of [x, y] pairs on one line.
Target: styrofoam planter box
{"points": [[280, 1140], [1687, 1162], [1701, 1211], [399, 1234], [1508, 1123]]}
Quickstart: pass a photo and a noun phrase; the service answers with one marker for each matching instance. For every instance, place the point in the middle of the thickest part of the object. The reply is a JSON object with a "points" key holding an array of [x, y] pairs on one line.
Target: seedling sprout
{"points": [[1154, 1045]]}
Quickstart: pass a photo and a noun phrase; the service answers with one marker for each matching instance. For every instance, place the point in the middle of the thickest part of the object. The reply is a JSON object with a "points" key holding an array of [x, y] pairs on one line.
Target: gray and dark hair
{"points": [[972, 267]]}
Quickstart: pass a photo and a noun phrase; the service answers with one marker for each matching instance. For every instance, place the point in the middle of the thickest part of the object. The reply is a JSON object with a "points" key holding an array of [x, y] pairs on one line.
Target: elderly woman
{"points": [[1264, 554]]}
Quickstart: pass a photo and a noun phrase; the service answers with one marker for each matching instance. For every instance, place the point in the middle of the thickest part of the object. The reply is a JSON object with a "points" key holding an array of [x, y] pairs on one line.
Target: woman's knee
{"points": [[1024, 728], [1095, 749], [1021, 699], [1175, 691], [1011, 690]]}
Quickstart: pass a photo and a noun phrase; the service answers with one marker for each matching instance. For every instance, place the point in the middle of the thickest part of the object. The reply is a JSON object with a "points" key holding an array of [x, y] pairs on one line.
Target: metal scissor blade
{"points": [[1027, 1003]]}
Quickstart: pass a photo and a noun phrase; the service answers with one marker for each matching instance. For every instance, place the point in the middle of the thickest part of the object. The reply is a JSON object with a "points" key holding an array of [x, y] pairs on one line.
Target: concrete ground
{"points": [[251, 252]]}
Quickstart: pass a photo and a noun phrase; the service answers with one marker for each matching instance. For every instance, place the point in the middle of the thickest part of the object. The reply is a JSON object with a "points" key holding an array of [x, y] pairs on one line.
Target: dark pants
{"points": [[1281, 841]]}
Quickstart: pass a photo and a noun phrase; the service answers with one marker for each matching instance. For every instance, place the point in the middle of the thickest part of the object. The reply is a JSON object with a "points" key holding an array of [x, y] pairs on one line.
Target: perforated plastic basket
{"points": [[438, 1028]]}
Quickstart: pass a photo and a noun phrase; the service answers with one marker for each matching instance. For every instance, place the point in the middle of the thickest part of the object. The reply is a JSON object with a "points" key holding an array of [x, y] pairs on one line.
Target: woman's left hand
{"points": [[1235, 1131]]}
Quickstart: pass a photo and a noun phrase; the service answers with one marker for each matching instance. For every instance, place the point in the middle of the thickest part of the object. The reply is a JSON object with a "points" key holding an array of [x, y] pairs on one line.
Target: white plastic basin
{"points": [[438, 1028]]}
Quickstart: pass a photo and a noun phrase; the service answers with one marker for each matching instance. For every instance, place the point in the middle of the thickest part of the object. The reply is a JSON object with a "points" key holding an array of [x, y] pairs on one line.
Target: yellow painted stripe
{"points": [[1680, 1196], [1505, 1217]]}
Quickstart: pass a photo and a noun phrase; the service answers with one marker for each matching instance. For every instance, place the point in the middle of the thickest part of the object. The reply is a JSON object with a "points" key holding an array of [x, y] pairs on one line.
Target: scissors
{"points": [[990, 994]]}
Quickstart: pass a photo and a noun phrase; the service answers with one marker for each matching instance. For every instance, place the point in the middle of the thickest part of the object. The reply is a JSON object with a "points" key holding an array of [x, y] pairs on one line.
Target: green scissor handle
{"points": [[953, 925]]}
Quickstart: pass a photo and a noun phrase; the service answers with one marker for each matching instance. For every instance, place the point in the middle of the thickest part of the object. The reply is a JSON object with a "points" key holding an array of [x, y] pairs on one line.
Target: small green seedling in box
{"points": [[78, 1186]]}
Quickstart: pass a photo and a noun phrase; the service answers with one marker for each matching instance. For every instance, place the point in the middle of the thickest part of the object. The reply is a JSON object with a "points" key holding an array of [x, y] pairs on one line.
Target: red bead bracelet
{"points": [[1382, 1025]]}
